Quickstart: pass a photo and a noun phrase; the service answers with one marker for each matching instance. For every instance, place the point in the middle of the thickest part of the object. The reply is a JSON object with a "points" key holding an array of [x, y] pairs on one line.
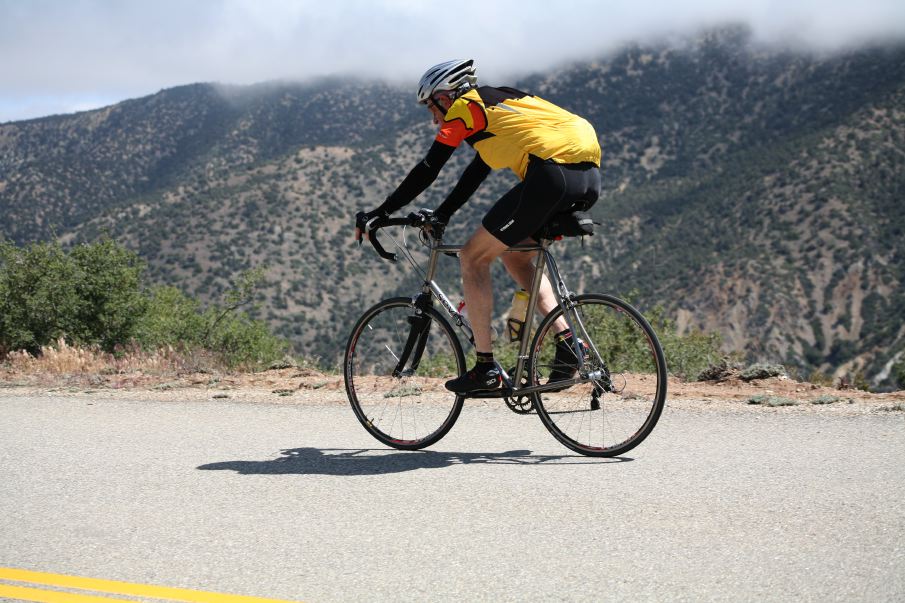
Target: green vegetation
{"points": [[762, 371], [689, 354], [686, 354], [173, 319], [826, 399], [773, 401], [92, 296], [899, 372]]}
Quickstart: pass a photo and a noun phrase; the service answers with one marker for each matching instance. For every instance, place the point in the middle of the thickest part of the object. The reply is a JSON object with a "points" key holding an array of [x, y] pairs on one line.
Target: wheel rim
{"points": [[413, 409]]}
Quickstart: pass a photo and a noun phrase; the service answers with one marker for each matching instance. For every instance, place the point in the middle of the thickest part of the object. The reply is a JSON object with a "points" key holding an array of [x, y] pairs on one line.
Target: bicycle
{"points": [[403, 349]]}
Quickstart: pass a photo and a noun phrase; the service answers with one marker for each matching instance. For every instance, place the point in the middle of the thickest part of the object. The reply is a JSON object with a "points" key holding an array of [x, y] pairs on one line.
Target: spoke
{"points": [[622, 348], [410, 411]]}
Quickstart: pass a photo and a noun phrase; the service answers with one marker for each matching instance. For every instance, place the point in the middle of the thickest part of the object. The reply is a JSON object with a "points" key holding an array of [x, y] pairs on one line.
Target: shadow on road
{"points": [[363, 461]]}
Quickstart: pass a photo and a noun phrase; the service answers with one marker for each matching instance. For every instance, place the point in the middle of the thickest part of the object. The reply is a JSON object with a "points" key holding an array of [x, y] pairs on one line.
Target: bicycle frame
{"points": [[430, 289]]}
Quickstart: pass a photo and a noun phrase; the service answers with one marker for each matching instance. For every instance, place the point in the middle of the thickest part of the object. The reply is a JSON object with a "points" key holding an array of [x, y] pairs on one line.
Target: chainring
{"points": [[521, 405]]}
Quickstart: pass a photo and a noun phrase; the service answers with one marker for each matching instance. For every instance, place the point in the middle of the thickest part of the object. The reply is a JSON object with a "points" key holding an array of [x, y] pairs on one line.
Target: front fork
{"points": [[417, 338]]}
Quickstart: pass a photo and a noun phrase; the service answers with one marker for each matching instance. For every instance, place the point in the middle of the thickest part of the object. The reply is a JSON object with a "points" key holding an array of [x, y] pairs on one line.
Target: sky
{"points": [[61, 56]]}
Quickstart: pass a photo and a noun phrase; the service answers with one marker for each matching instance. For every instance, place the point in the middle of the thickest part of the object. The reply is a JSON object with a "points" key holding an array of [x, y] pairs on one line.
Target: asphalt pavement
{"points": [[296, 501]]}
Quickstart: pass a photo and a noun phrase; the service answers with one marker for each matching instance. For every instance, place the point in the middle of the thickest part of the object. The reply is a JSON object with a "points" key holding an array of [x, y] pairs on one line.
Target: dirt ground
{"points": [[306, 386]]}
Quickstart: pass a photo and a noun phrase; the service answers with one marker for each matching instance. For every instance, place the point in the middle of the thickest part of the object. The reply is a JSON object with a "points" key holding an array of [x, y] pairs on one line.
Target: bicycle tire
{"points": [[412, 410], [612, 415]]}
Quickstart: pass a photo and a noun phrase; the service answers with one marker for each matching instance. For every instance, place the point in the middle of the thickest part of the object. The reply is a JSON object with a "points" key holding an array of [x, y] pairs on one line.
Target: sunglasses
{"points": [[430, 102]]}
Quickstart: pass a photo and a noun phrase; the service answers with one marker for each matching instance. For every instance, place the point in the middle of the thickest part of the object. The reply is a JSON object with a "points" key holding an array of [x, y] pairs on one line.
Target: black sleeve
{"points": [[421, 177], [471, 179]]}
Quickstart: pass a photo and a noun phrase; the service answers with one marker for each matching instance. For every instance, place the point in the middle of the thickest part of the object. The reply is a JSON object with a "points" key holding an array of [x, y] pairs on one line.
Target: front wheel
{"points": [[396, 363], [620, 404]]}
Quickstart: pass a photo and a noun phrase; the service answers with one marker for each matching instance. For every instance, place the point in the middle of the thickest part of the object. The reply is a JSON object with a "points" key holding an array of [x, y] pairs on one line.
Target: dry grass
{"points": [[66, 366], [63, 359], [72, 364]]}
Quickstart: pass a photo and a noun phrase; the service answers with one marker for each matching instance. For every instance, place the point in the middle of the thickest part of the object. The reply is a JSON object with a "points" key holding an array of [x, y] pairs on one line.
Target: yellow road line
{"points": [[114, 587], [22, 593]]}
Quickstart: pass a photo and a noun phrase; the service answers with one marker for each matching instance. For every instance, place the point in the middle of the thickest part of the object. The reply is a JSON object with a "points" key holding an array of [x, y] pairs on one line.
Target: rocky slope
{"points": [[751, 191]]}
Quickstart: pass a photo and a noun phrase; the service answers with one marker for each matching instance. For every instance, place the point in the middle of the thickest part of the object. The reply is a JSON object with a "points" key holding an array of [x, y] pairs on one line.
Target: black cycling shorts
{"points": [[549, 188]]}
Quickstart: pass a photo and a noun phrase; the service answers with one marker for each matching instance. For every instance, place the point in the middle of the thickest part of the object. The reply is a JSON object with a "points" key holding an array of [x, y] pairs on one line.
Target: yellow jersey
{"points": [[505, 126]]}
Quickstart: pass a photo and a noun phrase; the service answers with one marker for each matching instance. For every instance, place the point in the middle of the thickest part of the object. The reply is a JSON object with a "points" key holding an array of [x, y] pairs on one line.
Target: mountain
{"points": [[748, 190]]}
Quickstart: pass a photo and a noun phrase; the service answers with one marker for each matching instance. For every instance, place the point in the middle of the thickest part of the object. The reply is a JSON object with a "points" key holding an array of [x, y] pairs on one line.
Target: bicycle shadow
{"points": [[368, 461]]}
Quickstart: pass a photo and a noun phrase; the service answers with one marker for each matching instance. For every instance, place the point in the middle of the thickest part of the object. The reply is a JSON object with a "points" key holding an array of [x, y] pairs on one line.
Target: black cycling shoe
{"points": [[565, 363], [476, 381]]}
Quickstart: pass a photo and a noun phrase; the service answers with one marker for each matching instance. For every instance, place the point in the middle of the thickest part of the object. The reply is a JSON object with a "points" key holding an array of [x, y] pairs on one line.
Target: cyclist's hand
{"points": [[358, 229], [364, 222], [434, 223]]}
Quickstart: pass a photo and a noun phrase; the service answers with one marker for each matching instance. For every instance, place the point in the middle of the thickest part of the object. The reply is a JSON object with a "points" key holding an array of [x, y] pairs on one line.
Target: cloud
{"points": [[85, 51]]}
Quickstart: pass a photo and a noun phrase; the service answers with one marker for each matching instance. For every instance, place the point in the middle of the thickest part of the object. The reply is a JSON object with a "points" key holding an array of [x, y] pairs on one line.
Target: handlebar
{"points": [[372, 236], [419, 219]]}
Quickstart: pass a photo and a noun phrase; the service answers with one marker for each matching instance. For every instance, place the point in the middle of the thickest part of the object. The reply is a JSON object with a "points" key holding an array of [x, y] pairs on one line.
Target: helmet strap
{"points": [[440, 107]]}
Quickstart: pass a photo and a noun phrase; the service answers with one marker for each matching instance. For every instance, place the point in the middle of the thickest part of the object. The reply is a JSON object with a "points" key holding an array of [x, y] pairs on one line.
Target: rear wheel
{"points": [[397, 393], [612, 413]]}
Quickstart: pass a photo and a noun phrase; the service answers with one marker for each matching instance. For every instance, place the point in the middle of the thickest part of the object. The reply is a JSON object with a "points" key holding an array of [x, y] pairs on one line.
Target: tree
{"points": [[91, 296]]}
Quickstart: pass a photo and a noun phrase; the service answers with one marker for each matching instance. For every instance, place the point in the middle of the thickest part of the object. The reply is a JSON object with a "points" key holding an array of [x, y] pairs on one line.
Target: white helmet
{"points": [[454, 76]]}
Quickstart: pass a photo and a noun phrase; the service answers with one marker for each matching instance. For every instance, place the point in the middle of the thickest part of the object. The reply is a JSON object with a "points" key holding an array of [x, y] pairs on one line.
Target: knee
{"points": [[516, 261], [480, 250], [470, 258], [475, 256]]}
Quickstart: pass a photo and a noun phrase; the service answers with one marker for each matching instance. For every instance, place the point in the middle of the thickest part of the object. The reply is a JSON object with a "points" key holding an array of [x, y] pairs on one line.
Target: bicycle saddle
{"points": [[567, 224]]}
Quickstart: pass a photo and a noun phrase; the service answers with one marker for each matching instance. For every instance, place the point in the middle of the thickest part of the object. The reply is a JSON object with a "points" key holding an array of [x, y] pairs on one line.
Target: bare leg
{"points": [[521, 266], [475, 258]]}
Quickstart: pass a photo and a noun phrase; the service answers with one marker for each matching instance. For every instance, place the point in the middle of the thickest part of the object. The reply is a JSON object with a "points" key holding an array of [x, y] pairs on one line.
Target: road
{"points": [[295, 501]]}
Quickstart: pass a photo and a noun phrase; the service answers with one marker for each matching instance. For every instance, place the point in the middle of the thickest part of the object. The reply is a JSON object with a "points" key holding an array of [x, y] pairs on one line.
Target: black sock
{"points": [[485, 362]]}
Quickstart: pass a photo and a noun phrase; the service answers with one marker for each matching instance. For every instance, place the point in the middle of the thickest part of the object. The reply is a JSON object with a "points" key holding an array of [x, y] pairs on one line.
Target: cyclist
{"points": [[556, 155]]}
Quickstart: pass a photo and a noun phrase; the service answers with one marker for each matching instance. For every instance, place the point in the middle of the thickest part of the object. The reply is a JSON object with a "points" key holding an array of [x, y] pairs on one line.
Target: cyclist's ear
{"points": [[445, 100]]}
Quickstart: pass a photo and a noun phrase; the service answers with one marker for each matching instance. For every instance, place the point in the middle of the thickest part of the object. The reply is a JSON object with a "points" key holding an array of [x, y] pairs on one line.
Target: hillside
{"points": [[750, 191]]}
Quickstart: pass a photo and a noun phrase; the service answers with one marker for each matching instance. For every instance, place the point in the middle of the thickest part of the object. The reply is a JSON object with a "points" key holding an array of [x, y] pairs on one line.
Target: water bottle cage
{"points": [[514, 328]]}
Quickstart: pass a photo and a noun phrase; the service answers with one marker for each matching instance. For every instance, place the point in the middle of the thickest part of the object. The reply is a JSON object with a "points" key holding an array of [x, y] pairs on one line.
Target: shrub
{"points": [[765, 400], [899, 372], [93, 297], [235, 339], [762, 371], [825, 399], [687, 355], [108, 284], [37, 299], [242, 342], [90, 296], [171, 319]]}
